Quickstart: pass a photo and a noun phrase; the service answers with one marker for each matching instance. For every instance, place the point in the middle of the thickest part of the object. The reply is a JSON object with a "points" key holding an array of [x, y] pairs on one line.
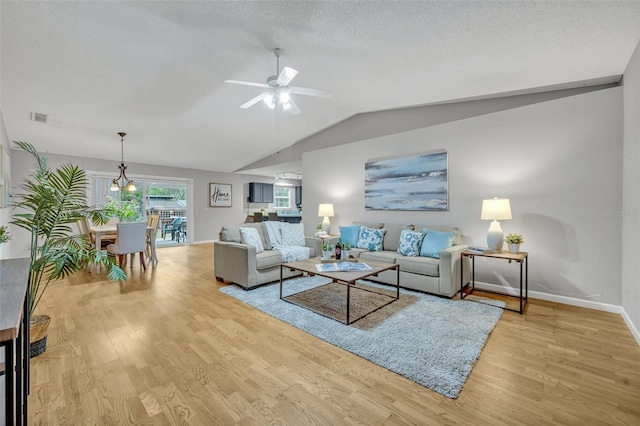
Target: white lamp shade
{"points": [[496, 209], [325, 210]]}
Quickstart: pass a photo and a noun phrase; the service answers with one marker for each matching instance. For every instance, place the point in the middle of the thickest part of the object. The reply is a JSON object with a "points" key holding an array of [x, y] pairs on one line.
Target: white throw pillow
{"points": [[293, 234], [252, 237]]}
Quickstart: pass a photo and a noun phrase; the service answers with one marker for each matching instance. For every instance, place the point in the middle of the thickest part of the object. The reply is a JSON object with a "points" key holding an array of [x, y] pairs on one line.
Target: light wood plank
{"points": [[166, 347]]}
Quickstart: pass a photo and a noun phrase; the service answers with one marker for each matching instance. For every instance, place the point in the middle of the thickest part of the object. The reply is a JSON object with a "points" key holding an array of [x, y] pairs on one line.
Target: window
{"points": [[281, 197]]}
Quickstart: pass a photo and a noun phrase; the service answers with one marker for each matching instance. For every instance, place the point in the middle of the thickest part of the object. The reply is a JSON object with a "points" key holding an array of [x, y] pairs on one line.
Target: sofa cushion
{"points": [[380, 256], [419, 265], [350, 234], [252, 237], [372, 225], [231, 233], [457, 239], [392, 237], [436, 241], [268, 259], [293, 234], [371, 239], [410, 242]]}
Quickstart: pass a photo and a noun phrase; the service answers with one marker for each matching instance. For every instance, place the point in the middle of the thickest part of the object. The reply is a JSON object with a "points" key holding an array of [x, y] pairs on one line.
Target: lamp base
{"points": [[495, 237], [326, 224]]}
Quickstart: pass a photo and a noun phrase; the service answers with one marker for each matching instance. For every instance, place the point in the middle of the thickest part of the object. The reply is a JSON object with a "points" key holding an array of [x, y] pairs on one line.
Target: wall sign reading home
{"points": [[219, 195], [416, 182]]}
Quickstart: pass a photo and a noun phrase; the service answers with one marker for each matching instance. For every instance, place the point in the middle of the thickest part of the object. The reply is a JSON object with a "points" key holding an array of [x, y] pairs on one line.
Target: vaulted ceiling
{"points": [[156, 70]]}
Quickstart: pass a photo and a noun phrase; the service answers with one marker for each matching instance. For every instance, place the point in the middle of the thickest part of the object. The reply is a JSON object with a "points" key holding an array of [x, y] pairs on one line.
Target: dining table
{"points": [[100, 231]]}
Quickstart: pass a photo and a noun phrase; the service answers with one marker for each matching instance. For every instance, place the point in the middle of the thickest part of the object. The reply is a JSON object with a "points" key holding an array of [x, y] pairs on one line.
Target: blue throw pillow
{"points": [[370, 239], [435, 241], [410, 242], [350, 234]]}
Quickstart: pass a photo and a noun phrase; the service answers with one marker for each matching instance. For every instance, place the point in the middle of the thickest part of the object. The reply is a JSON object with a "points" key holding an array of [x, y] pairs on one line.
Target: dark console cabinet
{"points": [[298, 190], [260, 192]]}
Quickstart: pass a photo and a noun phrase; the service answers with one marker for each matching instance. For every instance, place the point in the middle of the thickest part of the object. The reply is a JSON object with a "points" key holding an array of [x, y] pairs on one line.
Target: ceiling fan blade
{"points": [[286, 75], [291, 107], [247, 83], [254, 101], [310, 92]]}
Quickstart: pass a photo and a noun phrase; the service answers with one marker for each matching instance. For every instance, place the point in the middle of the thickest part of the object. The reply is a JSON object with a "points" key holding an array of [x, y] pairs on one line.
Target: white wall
{"points": [[558, 162], [631, 194], [207, 220], [5, 213]]}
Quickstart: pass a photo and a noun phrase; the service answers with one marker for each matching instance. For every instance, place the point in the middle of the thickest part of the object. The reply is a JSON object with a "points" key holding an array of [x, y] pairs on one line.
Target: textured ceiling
{"points": [[156, 69]]}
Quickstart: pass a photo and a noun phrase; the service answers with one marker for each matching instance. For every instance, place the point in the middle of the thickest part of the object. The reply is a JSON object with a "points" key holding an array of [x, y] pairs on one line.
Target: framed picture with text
{"points": [[219, 195]]}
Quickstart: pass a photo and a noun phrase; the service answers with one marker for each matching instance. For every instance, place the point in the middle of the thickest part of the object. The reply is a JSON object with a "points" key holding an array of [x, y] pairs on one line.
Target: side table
{"points": [[522, 258]]}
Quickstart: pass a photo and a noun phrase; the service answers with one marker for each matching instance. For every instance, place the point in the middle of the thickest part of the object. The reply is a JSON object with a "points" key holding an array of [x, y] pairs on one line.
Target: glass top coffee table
{"points": [[347, 278]]}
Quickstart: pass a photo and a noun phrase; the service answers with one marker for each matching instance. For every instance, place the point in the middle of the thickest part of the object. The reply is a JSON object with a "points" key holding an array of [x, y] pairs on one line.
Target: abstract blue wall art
{"points": [[418, 182]]}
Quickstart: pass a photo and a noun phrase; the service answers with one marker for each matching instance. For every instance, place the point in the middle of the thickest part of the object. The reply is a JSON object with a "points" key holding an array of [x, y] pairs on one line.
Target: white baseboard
{"points": [[606, 307], [632, 327]]}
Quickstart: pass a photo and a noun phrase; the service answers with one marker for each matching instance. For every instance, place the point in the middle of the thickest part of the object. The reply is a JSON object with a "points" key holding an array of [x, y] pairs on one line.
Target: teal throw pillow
{"points": [[370, 239], [410, 242], [350, 234], [435, 241]]}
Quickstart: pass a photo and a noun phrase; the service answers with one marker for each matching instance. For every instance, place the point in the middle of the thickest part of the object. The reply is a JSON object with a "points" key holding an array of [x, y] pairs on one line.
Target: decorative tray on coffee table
{"points": [[334, 260]]}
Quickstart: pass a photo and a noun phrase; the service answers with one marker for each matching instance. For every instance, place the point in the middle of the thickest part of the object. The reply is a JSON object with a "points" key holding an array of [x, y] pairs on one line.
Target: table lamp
{"points": [[326, 210], [495, 209]]}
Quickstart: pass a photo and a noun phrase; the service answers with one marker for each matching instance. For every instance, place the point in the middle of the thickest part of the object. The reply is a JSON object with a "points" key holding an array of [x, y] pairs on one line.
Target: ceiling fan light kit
{"points": [[278, 90]]}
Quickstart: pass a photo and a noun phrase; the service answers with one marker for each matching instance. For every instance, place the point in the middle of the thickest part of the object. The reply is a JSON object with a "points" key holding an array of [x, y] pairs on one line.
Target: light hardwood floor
{"points": [[167, 347]]}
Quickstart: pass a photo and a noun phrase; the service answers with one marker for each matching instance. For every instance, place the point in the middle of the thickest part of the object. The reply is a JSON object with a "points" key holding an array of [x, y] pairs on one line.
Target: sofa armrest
{"points": [[450, 259], [235, 262], [315, 244]]}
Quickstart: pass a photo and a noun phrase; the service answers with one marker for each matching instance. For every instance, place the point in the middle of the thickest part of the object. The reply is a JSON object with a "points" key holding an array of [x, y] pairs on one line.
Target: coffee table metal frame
{"points": [[348, 278]]}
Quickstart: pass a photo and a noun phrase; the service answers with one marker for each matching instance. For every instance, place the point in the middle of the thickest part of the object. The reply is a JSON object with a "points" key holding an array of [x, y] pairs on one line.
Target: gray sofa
{"points": [[430, 275], [240, 264]]}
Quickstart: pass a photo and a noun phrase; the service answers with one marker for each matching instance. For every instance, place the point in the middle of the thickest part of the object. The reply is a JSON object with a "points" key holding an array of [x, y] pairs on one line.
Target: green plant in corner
{"points": [[51, 201], [4, 234], [514, 239]]}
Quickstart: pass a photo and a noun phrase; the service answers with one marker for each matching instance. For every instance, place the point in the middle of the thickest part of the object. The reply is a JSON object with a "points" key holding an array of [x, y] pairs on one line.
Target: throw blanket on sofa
{"points": [[275, 233], [292, 253], [288, 253]]}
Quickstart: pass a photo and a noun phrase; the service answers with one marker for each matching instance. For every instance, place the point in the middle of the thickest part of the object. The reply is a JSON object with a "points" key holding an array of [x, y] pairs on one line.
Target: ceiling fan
{"points": [[278, 89]]}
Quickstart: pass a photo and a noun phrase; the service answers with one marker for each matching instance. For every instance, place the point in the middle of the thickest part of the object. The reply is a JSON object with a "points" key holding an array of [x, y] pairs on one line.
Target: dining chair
{"points": [[272, 217], [181, 232], [257, 217], [131, 238], [172, 227], [153, 222]]}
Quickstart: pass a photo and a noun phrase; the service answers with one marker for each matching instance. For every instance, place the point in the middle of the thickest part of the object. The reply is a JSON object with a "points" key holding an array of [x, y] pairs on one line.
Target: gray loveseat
{"points": [[427, 274], [240, 264]]}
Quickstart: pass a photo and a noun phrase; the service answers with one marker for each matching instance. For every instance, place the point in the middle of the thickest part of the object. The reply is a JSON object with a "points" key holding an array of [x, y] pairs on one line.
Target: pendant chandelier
{"points": [[122, 182]]}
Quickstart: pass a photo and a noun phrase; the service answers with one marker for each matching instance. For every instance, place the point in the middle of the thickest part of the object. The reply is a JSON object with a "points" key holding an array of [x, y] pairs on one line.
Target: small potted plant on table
{"points": [[514, 241], [327, 249], [4, 237]]}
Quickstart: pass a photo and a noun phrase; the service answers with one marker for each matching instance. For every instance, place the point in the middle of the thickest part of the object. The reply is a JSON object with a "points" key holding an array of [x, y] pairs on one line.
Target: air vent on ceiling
{"points": [[39, 117]]}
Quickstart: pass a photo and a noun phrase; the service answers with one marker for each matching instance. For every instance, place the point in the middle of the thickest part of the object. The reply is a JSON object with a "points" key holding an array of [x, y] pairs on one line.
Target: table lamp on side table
{"points": [[326, 210], [495, 209]]}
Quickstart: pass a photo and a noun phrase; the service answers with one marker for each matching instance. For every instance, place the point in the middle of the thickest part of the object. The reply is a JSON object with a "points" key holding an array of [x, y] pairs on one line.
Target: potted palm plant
{"points": [[50, 203]]}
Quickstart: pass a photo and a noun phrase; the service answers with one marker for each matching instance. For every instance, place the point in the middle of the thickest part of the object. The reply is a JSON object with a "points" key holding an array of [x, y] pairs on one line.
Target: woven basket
{"points": [[39, 327]]}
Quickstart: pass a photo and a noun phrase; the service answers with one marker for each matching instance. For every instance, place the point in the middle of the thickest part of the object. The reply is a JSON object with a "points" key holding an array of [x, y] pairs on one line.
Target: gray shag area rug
{"points": [[431, 340]]}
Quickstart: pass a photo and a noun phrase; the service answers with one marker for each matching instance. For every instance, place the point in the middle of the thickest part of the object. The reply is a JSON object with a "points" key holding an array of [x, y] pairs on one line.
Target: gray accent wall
{"points": [[558, 161], [631, 193]]}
